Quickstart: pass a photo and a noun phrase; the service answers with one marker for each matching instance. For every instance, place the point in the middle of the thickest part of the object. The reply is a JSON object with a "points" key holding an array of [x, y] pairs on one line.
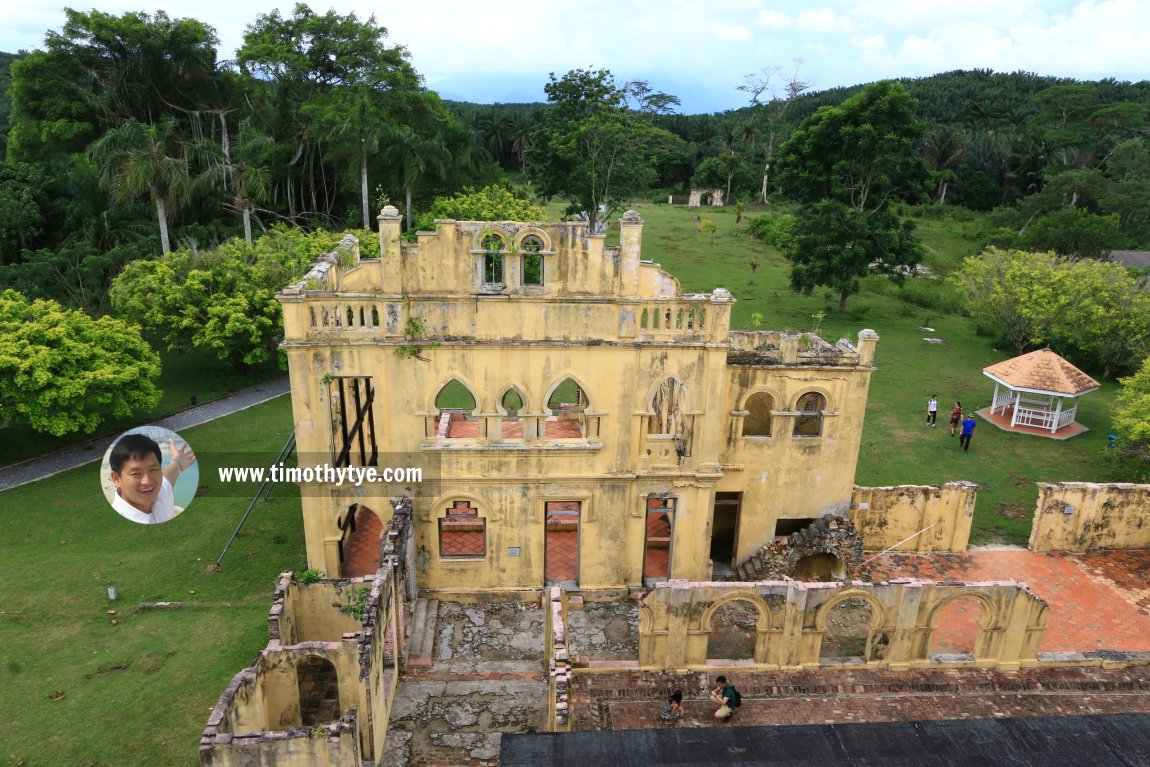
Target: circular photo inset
{"points": [[149, 475]]}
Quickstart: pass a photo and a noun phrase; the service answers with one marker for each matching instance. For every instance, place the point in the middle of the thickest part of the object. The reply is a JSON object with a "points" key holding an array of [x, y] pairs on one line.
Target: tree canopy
{"points": [[222, 299], [62, 371], [849, 165], [592, 148], [1132, 426], [1092, 312]]}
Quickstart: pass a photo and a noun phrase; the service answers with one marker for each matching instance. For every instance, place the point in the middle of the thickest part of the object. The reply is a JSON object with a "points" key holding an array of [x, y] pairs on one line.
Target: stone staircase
{"points": [[421, 640]]}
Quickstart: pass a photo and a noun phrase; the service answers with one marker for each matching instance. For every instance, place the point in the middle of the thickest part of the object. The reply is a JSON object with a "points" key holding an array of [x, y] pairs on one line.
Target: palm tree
{"points": [[135, 159], [248, 170], [521, 127], [413, 155], [494, 125]]}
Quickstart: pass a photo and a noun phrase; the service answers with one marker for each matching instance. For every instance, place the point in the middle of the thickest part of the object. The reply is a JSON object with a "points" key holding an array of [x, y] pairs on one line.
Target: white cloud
{"points": [[774, 20], [822, 21], [869, 44], [731, 32]]}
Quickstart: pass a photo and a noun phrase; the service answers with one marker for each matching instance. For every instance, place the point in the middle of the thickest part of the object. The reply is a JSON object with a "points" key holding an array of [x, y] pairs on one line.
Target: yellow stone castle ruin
{"points": [[580, 420]]}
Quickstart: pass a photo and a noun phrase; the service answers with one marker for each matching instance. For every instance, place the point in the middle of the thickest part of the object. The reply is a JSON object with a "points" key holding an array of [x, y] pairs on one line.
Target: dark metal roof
{"points": [[1104, 740]]}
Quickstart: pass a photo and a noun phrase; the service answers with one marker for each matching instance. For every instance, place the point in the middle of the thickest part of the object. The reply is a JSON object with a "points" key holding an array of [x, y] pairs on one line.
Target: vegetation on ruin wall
{"points": [[897, 447], [79, 689]]}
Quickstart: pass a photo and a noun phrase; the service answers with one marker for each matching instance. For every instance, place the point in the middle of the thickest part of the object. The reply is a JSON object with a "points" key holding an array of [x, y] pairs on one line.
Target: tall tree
{"points": [[330, 75], [136, 159], [772, 95], [425, 148], [850, 164], [591, 148], [101, 69]]}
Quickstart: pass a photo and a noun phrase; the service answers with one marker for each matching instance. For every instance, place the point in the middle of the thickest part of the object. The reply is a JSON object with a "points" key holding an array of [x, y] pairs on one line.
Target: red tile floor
{"points": [[1098, 601], [361, 550]]}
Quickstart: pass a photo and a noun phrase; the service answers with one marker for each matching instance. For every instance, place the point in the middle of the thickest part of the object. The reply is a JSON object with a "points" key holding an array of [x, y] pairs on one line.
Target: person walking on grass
{"points": [[955, 417], [968, 425], [932, 411]]}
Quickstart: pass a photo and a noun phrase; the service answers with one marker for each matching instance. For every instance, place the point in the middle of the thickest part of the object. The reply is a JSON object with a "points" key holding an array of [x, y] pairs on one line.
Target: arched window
{"points": [[532, 260], [511, 403], [493, 259], [455, 404], [809, 421], [757, 422], [567, 404]]}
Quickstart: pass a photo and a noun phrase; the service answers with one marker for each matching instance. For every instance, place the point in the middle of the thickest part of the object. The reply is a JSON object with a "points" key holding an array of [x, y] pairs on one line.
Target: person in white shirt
{"points": [[143, 485]]}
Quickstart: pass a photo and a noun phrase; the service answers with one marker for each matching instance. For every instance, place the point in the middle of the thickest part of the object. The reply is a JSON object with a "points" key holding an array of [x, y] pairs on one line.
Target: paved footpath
{"points": [[93, 450]]}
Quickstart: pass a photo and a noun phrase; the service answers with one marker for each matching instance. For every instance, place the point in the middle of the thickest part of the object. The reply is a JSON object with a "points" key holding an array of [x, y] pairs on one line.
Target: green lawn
{"points": [[198, 372], [897, 447], [79, 690]]}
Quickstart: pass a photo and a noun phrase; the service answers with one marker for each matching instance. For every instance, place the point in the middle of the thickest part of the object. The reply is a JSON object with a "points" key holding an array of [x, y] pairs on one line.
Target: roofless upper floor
{"points": [[525, 283], [503, 280]]}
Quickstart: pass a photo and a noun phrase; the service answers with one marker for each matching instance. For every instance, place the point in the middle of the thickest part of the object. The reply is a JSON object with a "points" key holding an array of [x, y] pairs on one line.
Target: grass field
{"points": [[79, 690]]}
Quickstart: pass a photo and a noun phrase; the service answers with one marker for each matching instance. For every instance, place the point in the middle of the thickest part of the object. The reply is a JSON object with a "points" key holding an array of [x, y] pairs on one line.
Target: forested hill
{"points": [[984, 99]]}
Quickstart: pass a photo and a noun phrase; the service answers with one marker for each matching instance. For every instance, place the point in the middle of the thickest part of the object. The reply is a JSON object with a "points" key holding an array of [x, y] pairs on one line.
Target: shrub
{"points": [[777, 230]]}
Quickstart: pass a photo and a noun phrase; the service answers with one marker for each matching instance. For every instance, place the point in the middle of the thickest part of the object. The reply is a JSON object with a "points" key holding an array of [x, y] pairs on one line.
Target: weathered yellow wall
{"points": [[886, 516], [333, 747], [1081, 516], [316, 610], [269, 699], [675, 622], [616, 326], [253, 720]]}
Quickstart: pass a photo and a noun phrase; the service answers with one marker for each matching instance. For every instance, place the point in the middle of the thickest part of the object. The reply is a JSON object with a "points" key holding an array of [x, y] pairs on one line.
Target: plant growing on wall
{"points": [[413, 330], [355, 604]]}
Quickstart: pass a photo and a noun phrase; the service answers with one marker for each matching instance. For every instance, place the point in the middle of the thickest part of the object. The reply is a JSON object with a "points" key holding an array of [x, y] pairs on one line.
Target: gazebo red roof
{"points": [[1042, 371]]}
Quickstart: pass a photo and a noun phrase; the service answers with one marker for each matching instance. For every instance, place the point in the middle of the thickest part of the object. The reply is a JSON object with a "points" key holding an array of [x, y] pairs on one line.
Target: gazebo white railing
{"points": [[1040, 390], [1038, 411]]}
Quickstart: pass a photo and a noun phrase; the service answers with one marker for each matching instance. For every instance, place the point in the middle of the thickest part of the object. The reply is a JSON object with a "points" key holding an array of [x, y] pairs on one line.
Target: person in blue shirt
{"points": [[968, 425]]}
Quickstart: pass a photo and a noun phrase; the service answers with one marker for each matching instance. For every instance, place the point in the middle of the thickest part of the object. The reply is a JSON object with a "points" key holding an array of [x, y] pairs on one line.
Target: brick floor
{"points": [[361, 552], [1098, 601], [631, 700], [461, 428]]}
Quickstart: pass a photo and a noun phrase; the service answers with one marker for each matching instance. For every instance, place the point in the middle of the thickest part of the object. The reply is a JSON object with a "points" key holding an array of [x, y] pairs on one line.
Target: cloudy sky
{"points": [[699, 50]]}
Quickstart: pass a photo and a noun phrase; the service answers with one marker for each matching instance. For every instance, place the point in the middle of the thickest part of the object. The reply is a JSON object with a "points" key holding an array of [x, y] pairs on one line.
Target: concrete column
{"points": [[719, 315], [791, 637], [868, 340], [1018, 618], [907, 638], [678, 625], [390, 223], [630, 247]]}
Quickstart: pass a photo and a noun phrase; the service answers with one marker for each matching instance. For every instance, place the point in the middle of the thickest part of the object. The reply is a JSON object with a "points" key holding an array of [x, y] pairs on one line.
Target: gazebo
{"points": [[1039, 394]]}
